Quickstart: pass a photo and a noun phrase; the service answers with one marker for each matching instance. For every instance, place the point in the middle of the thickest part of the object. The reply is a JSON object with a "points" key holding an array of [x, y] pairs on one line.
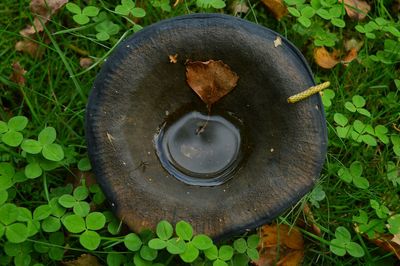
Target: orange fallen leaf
{"points": [[85, 62], [277, 8], [280, 245], [328, 60], [18, 74], [325, 59], [351, 55], [211, 80], [356, 9], [292, 259]]}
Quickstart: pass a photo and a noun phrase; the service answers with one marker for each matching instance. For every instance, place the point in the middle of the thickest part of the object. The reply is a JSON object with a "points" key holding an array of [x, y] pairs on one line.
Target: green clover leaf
{"points": [[164, 230], [127, 8], [90, 240], [82, 16], [132, 242], [184, 230]]}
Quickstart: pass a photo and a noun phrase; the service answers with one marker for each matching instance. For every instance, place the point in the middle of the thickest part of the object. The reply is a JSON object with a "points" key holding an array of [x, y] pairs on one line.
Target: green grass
{"points": [[56, 91]]}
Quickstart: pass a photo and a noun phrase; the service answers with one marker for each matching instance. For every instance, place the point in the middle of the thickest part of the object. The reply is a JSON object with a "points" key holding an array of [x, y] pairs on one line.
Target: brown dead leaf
{"points": [[280, 245], [310, 220], [85, 62], [211, 80], [83, 260], [44, 9], [18, 74], [30, 30], [239, 7], [277, 8], [386, 243], [29, 47], [356, 9]]}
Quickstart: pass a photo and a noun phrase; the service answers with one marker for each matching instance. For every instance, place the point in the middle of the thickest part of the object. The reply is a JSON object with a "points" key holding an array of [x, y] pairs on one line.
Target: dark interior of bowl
{"points": [[138, 89]]}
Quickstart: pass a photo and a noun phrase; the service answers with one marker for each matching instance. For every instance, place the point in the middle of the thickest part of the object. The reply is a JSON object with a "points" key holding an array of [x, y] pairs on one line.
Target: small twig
{"points": [[203, 127], [110, 139], [395, 127], [307, 93], [176, 3], [78, 50]]}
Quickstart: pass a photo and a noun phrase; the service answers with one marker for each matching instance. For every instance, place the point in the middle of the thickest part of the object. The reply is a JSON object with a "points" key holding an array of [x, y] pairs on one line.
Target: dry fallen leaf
{"points": [[292, 259], [173, 58], [211, 80], [46, 8], [386, 243], [239, 7], [325, 59], [280, 245], [42, 11], [351, 55], [29, 47], [278, 41], [353, 43], [30, 30], [356, 9], [277, 8], [85, 62], [328, 60], [83, 260], [310, 220], [396, 239], [18, 74]]}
